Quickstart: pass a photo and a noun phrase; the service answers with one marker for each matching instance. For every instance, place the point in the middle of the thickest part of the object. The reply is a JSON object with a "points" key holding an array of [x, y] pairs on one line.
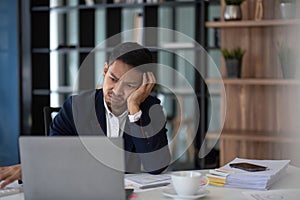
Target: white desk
{"points": [[291, 181]]}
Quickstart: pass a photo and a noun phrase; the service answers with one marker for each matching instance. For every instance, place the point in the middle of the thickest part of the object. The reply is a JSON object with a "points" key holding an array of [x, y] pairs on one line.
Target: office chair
{"points": [[48, 117]]}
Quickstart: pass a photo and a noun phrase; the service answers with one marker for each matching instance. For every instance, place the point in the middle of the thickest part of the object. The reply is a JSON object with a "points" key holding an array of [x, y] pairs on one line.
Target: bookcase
{"points": [[57, 36], [261, 107]]}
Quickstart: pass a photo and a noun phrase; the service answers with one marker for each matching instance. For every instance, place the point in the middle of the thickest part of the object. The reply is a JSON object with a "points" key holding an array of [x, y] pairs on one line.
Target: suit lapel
{"points": [[100, 111]]}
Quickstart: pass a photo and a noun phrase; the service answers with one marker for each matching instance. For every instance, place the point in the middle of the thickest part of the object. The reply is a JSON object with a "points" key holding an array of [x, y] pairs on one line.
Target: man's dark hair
{"points": [[131, 53]]}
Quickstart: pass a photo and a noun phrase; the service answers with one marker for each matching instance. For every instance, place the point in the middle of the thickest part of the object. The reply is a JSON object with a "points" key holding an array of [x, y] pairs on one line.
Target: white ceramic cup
{"points": [[187, 183]]}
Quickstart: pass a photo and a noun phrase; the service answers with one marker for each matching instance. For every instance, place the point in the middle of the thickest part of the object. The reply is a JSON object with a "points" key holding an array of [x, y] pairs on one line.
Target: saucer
{"points": [[170, 192]]}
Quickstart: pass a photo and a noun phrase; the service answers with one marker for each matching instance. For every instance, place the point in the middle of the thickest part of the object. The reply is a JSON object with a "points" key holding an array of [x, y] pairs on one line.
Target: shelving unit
{"points": [[252, 23], [261, 106], [79, 28], [254, 81], [256, 144], [255, 136]]}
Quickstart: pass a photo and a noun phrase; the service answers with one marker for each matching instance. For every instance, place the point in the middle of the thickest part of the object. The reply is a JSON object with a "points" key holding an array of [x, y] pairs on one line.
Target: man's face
{"points": [[120, 81]]}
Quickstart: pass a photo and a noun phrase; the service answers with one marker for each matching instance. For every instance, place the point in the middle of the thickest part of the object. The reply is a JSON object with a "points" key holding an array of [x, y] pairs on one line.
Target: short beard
{"points": [[115, 109]]}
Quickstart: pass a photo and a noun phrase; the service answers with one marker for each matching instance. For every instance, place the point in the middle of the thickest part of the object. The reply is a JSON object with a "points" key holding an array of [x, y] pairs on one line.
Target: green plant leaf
{"points": [[236, 53]]}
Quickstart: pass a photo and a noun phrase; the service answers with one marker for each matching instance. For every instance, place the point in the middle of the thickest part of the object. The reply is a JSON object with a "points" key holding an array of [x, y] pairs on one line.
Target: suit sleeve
{"points": [[151, 141], [63, 123]]}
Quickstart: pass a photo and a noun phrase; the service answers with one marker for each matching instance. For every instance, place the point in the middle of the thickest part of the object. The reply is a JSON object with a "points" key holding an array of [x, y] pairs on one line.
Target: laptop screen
{"points": [[72, 167]]}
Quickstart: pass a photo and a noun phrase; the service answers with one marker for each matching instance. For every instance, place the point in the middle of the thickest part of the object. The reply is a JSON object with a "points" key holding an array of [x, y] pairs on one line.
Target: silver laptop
{"points": [[71, 168]]}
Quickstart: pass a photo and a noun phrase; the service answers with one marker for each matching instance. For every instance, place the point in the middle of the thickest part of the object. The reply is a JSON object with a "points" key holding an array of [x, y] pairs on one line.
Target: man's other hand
{"points": [[10, 174]]}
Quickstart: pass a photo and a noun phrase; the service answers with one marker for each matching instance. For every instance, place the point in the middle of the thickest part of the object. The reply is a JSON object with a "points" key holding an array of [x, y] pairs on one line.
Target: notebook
{"points": [[72, 168]]}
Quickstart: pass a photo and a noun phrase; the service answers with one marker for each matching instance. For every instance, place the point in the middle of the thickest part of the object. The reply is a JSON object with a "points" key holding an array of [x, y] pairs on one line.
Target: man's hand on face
{"points": [[10, 174], [138, 96]]}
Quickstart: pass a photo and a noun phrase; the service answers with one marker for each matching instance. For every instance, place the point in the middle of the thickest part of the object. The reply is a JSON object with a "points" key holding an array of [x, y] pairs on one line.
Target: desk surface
{"points": [[290, 181]]}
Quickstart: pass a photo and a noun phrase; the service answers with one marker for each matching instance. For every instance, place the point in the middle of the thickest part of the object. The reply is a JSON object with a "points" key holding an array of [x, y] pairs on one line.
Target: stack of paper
{"points": [[146, 181], [260, 180]]}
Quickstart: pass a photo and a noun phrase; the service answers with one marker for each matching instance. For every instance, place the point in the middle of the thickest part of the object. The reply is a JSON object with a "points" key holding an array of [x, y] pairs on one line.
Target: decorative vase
{"points": [[287, 10], [232, 12], [233, 67]]}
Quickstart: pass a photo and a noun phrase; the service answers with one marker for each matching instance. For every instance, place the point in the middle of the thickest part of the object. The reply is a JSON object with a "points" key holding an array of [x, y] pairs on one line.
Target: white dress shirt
{"points": [[115, 124]]}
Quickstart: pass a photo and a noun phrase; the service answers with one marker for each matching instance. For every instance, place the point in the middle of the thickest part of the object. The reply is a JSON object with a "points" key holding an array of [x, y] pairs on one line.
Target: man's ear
{"points": [[105, 69]]}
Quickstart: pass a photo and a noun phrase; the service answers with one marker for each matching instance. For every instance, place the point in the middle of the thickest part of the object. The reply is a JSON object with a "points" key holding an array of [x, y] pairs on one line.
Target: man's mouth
{"points": [[115, 99]]}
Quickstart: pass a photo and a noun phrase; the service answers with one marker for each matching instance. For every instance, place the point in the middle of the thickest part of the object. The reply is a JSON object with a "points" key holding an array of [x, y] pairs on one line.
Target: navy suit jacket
{"points": [[145, 141]]}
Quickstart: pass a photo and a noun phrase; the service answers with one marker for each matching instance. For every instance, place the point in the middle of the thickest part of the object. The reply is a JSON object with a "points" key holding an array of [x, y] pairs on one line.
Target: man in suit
{"points": [[122, 108]]}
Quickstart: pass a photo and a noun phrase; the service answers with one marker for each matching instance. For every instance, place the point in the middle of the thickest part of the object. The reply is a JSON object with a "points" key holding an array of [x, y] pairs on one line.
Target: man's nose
{"points": [[118, 88]]}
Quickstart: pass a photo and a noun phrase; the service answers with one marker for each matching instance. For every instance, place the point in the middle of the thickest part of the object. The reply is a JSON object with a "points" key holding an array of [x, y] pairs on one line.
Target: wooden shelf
{"points": [[254, 81], [252, 23], [262, 99], [255, 136]]}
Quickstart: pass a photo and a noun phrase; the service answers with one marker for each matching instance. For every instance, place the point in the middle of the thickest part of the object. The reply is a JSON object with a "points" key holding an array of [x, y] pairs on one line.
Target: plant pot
{"points": [[287, 10], [233, 67], [232, 12]]}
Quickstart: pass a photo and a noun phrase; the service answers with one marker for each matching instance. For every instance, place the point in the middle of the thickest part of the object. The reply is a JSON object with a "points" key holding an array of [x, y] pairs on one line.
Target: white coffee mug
{"points": [[188, 182]]}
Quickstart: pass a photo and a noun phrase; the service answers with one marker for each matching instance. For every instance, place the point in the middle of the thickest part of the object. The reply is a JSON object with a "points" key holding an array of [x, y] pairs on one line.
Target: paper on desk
{"points": [[261, 180], [274, 166], [138, 180], [14, 184], [288, 194]]}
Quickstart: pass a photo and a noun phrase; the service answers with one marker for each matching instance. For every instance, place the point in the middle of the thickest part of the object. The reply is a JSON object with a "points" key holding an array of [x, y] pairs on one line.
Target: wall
{"points": [[9, 82]]}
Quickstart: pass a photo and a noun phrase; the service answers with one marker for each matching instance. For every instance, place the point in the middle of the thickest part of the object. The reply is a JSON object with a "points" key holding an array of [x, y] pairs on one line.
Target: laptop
{"points": [[71, 168]]}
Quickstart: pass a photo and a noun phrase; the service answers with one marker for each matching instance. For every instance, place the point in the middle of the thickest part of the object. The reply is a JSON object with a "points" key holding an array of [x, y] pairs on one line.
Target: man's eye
{"points": [[113, 79]]}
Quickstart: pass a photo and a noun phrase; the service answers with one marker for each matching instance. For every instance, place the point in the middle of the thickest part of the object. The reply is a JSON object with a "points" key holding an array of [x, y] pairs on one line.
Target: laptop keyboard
{"points": [[9, 191]]}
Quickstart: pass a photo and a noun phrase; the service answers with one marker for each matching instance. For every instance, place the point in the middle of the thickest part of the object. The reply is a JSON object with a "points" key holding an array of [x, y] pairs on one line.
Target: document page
{"points": [[273, 195], [146, 181], [260, 180]]}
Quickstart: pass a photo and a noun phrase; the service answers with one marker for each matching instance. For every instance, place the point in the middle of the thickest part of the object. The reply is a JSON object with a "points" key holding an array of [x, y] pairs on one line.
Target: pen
{"points": [[154, 185]]}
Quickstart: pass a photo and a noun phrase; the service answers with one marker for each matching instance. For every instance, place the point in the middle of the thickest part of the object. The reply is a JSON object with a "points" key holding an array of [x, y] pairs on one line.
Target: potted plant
{"points": [[233, 10], [233, 60], [287, 9]]}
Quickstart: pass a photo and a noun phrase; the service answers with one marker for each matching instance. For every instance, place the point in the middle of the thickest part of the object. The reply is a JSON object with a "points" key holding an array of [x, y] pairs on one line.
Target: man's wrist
{"points": [[132, 109], [135, 117]]}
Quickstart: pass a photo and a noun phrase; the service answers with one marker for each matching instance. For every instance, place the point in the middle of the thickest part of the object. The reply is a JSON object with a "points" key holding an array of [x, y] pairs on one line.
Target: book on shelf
{"points": [[228, 176]]}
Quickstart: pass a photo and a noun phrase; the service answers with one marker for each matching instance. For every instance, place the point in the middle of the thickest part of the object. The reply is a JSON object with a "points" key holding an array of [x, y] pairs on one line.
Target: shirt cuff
{"points": [[135, 117]]}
